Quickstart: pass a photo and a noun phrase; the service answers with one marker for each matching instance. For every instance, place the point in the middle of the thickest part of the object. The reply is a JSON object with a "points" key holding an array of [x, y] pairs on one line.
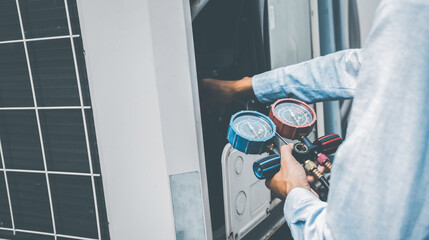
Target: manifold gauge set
{"points": [[252, 132]]}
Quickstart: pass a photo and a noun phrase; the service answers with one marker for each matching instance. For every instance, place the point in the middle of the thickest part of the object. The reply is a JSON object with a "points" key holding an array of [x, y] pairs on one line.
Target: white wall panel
{"points": [[122, 78]]}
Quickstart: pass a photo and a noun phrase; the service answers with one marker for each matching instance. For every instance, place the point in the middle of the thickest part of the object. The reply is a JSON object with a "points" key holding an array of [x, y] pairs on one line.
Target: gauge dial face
{"points": [[252, 127], [293, 113]]}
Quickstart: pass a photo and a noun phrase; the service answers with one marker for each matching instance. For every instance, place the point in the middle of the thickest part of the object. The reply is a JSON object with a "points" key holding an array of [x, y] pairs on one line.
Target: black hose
{"points": [[324, 182]]}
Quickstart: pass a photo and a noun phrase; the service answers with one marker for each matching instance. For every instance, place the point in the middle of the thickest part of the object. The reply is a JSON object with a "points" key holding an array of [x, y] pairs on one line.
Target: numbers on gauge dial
{"points": [[252, 127], [293, 113]]}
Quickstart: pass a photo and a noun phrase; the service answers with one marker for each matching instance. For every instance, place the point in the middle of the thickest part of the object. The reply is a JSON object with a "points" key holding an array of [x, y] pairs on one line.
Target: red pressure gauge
{"points": [[293, 118]]}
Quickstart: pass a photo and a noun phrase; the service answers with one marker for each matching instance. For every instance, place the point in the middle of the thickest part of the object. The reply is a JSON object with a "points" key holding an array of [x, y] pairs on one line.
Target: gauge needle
{"points": [[253, 130], [293, 115]]}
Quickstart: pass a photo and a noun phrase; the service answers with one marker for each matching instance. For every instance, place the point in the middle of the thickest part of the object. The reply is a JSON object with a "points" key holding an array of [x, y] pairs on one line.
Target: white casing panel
{"points": [[246, 198]]}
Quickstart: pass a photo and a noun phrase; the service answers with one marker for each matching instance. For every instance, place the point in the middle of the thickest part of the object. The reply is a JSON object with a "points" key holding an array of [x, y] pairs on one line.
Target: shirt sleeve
{"points": [[330, 77], [306, 215]]}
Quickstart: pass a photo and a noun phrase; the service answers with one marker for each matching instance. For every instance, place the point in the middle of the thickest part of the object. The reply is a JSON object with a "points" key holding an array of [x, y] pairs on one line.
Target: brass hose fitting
{"points": [[328, 165], [311, 167]]}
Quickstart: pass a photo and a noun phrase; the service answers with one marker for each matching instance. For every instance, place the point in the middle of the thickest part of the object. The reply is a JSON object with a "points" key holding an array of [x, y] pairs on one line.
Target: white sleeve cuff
{"points": [[294, 201]]}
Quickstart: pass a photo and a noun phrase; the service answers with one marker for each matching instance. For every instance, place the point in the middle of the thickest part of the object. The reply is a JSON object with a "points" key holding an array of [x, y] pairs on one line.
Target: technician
{"points": [[380, 179]]}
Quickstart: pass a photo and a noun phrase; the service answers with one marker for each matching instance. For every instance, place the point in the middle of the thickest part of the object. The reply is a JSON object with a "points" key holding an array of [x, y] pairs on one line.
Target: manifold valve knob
{"points": [[322, 158]]}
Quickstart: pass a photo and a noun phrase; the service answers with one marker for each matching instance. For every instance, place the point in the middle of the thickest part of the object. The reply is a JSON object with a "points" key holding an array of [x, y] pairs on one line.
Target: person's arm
{"points": [[324, 78], [329, 77], [305, 215], [304, 212]]}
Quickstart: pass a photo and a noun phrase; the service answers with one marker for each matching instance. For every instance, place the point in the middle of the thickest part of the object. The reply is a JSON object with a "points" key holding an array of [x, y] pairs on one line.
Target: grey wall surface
{"points": [[289, 31], [366, 9]]}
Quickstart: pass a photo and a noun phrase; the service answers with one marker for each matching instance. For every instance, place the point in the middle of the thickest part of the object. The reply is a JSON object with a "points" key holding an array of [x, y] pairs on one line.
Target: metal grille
{"points": [[50, 186]]}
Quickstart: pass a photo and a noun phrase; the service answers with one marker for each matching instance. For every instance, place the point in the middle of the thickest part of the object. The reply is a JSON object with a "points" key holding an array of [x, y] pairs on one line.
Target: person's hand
{"points": [[220, 92], [290, 176]]}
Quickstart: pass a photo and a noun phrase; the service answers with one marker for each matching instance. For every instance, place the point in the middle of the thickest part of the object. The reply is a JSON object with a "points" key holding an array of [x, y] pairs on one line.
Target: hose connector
{"points": [[323, 160], [311, 167]]}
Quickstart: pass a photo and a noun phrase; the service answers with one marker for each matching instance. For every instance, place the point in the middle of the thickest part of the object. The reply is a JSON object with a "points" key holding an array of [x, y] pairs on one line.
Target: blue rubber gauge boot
{"points": [[249, 132]]}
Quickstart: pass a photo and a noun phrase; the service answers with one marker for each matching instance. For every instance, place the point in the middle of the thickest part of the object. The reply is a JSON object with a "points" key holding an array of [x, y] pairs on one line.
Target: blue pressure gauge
{"points": [[249, 132]]}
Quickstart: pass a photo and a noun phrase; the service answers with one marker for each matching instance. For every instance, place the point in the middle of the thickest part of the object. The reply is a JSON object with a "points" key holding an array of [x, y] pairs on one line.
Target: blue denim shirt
{"points": [[380, 178]]}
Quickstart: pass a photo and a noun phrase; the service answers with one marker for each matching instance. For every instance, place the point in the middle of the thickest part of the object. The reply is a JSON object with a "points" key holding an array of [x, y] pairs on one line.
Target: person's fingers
{"points": [[268, 183], [220, 91], [310, 179], [314, 192], [286, 148], [286, 152], [276, 186], [321, 168], [206, 81], [211, 84]]}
